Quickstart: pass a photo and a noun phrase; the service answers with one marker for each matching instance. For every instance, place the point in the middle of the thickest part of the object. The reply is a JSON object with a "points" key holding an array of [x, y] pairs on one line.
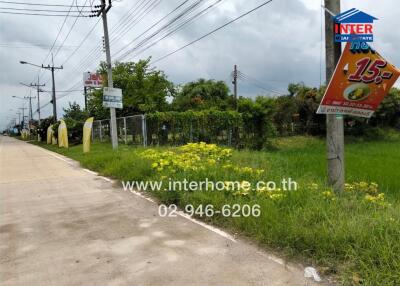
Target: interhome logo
{"points": [[354, 26]]}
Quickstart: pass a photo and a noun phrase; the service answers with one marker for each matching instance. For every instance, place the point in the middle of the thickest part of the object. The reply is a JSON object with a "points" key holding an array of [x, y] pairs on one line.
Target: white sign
{"points": [[92, 79], [112, 97]]}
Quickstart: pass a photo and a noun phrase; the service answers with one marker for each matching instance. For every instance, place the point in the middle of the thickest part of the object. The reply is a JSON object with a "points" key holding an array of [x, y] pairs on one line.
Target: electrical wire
{"points": [[163, 28], [38, 4], [213, 31], [255, 82], [155, 24], [40, 14], [39, 10], [176, 29]]}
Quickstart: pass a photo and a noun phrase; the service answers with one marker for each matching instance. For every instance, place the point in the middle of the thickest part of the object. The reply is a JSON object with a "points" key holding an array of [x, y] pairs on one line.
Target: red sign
{"points": [[361, 80], [92, 80]]}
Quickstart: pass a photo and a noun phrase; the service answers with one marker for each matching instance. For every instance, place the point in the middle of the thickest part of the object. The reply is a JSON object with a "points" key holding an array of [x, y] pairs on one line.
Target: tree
{"points": [[203, 94], [144, 89], [257, 119], [74, 118]]}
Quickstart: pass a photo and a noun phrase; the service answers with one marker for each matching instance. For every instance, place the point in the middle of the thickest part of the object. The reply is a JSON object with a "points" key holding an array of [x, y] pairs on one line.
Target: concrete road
{"points": [[62, 225]]}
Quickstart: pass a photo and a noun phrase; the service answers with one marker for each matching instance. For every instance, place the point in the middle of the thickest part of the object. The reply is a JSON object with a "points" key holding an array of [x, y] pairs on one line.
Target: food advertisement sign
{"points": [[361, 80]]}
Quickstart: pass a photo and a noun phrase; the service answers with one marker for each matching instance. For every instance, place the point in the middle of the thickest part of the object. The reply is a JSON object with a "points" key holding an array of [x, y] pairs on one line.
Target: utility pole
{"points": [[85, 93], [52, 68], [30, 107], [103, 11], [19, 117], [38, 85], [234, 82], [23, 116], [334, 123]]}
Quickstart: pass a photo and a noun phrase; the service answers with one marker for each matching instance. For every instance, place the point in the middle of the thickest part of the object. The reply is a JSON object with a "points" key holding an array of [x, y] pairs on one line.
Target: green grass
{"points": [[347, 238]]}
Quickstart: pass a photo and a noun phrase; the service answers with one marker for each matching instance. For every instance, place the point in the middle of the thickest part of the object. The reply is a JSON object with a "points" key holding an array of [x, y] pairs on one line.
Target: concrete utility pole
{"points": [[38, 85], [103, 11], [334, 123], [85, 93], [19, 117], [234, 82], [30, 106], [50, 68], [23, 116]]}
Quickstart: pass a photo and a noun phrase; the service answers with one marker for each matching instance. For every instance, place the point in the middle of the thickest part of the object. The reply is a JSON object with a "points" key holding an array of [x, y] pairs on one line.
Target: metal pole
{"points": [[334, 123], [126, 138], [235, 75], [113, 121], [144, 131]]}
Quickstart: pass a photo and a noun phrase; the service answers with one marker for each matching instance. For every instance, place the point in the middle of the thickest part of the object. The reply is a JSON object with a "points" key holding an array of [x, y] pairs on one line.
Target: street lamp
{"points": [[51, 68], [18, 97]]}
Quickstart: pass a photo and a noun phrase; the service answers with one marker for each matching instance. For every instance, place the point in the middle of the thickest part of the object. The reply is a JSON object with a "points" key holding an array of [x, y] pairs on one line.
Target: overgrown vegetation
{"points": [[353, 236]]}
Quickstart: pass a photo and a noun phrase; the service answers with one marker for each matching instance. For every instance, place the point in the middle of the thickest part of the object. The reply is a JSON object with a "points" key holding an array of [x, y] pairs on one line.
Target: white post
{"points": [[126, 138], [144, 130]]}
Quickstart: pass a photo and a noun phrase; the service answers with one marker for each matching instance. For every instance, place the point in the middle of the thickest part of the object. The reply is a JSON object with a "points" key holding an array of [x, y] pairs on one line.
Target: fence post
{"points": [[126, 138], [100, 131], [191, 132], [144, 130]]}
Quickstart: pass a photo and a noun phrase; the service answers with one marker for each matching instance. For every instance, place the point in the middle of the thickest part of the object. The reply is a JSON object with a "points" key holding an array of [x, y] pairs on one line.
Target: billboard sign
{"points": [[112, 97], [92, 80], [361, 80]]}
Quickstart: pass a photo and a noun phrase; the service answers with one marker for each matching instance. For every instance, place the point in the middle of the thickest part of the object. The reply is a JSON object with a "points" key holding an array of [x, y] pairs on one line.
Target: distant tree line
{"points": [[148, 91]]}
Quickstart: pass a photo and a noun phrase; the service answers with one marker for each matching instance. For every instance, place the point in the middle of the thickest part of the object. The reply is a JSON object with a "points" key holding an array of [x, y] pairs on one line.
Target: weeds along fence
{"points": [[230, 128], [176, 128]]}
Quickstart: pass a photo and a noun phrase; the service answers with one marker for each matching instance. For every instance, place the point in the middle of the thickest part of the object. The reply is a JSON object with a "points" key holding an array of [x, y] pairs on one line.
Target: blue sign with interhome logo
{"points": [[354, 26]]}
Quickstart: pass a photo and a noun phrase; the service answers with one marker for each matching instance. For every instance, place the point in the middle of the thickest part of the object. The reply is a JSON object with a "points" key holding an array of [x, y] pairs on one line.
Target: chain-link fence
{"points": [[130, 130], [155, 130], [141, 130]]}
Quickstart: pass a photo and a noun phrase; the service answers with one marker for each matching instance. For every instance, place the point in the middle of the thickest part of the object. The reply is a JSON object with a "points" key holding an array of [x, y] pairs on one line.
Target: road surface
{"points": [[63, 225]]}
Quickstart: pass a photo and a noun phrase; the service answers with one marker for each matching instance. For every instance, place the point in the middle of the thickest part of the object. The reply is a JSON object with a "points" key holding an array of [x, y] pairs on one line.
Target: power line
{"points": [[170, 28], [166, 26], [253, 81], [82, 42], [174, 30], [69, 32], [39, 10], [39, 46], [58, 35], [40, 14], [155, 24], [213, 31], [38, 4], [95, 52]]}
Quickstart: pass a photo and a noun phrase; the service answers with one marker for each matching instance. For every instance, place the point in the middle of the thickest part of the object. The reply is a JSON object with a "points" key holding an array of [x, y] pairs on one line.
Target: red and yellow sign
{"points": [[361, 80]]}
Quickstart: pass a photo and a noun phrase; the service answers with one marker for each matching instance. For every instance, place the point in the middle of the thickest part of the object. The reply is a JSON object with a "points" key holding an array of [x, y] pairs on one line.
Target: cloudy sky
{"points": [[278, 44]]}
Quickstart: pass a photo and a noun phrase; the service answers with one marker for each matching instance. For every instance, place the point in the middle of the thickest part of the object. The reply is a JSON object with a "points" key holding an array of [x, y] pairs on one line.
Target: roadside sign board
{"points": [[361, 80], [112, 97], [92, 80]]}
